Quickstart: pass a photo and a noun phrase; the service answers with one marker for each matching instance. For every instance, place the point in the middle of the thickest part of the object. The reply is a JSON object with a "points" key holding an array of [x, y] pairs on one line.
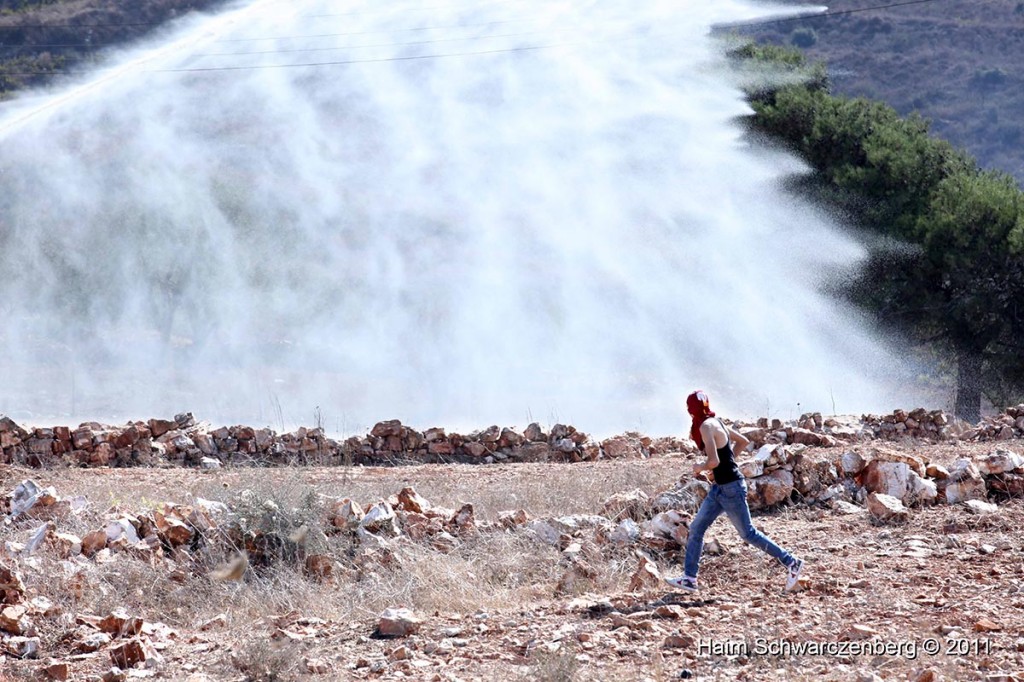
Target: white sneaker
{"points": [[684, 582], [794, 574]]}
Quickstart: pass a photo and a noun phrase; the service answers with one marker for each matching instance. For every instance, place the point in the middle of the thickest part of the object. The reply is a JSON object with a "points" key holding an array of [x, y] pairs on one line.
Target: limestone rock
{"points": [[886, 508], [887, 478], [380, 520], [398, 622], [999, 462], [770, 489], [981, 507], [633, 504], [964, 483]]}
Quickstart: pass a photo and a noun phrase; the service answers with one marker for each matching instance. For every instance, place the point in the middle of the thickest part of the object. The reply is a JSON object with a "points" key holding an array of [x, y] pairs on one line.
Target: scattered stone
{"points": [[633, 505], [848, 508], [887, 508], [986, 625], [398, 622], [857, 632], [678, 640], [21, 647], [646, 574], [981, 507]]}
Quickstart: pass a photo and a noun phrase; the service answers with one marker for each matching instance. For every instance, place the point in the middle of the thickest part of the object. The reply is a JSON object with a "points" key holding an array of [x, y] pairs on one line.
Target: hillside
{"points": [[46, 37], [956, 62]]}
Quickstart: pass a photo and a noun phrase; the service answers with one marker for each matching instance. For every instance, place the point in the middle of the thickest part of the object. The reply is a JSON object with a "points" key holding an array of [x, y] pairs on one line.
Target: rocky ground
{"points": [[529, 570]]}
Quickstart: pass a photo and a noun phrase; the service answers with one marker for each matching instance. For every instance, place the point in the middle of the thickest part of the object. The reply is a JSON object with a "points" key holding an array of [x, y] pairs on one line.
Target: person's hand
{"points": [[697, 470]]}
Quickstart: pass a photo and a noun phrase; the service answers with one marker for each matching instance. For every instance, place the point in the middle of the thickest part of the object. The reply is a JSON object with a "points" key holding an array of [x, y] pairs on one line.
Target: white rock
{"points": [[922, 490], [888, 478], [626, 533], [848, 508], [999, 462], [851, 463], [545, 531], [671, 524], [121, 528], [981, 507], [38, 537], [398, 622], [886, 507], [380, 520]]}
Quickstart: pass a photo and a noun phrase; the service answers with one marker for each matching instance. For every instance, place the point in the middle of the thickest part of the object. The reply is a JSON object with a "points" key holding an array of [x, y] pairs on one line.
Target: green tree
{"points": [[957, 280]]}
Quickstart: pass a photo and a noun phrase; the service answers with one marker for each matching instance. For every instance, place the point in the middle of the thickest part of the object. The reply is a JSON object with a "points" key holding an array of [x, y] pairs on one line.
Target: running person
{"points": [[728, 494]]}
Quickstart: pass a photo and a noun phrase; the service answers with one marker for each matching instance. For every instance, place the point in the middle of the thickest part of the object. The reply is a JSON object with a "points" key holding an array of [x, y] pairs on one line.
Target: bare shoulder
{"points": [[712, 426]]}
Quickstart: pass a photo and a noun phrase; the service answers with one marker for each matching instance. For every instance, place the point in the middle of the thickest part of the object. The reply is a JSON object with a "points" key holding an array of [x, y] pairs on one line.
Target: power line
{"points": [[345, 62], [820, 15], [375, 32], [356, 47], [254, 67]]}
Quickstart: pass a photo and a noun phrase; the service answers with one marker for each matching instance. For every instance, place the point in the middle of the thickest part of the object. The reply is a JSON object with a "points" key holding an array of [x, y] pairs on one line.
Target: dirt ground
{"points": [[940, 597]]}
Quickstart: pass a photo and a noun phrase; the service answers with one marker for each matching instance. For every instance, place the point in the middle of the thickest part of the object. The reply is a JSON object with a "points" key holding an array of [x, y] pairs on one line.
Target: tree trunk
{"points": [[968, 386]]}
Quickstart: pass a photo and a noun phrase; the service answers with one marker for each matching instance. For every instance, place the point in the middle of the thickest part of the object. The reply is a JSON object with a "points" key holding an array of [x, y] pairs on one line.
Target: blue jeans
{"points": [[730, 498]]}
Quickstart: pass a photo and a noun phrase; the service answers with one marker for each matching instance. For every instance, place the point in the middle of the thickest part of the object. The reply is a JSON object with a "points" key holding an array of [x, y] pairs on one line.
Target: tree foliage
{"points": [[961, 281]]}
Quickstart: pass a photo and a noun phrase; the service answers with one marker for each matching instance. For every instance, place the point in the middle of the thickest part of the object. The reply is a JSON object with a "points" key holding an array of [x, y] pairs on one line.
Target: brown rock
{"points": [[999, 462], [320, 566], [678, 640], [441, 447], [346, 514], [392, 427], [645, 575], [887, 455], [12, 590], [887, 478], [93, 542], [409, 500], [475, 449], [513, 519], [964, 483], [131, 652], [986, 625], [172, 530], [158, 427], [119, 624], [13, 619], [770, 489], [400, 653], [56, 670], [464, 519], [670, 611]]}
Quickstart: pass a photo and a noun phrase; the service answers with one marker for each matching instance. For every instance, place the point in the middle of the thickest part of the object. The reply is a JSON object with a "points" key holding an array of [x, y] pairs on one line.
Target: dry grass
{"points": [[506, 579]]}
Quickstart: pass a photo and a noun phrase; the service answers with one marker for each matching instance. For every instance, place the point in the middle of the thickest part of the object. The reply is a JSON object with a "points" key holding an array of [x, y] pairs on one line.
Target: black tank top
{"points": [[726, 471]]}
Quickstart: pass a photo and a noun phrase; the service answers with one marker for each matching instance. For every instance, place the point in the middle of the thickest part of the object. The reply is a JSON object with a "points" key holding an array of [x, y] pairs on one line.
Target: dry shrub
{"points": [[554, 664], [261, 660]]}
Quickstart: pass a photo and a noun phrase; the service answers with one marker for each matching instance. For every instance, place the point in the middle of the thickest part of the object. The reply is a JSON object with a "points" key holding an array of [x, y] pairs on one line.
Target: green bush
{"points": [[804, 37]]}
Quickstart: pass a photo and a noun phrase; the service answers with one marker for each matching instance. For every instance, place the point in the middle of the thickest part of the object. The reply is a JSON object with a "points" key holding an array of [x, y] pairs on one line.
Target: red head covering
{"points": [[699, 409]]}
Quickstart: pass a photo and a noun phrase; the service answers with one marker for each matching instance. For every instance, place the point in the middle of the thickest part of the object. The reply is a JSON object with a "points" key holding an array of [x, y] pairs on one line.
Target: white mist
{"points": [[559, 220]]}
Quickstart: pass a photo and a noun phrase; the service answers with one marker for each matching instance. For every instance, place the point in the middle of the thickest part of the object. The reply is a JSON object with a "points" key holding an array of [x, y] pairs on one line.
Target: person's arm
{"points": [[741, 441]]}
